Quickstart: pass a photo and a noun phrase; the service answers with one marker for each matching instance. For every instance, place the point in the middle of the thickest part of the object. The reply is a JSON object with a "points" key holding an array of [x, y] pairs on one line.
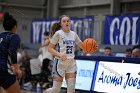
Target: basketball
{"points": [[89, 45]]}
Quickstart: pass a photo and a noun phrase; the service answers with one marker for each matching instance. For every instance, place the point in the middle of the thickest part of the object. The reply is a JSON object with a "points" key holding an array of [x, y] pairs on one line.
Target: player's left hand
{"points": [[63, 57]]}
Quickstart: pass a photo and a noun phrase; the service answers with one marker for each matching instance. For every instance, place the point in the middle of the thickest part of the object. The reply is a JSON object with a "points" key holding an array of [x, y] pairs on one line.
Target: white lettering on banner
{"points": [[121, 27], [44, 26], [78, 25], [127, 22], [86, 27], [134, 26], [36, 31], [39, 28], [82, 27], [115, 21]]}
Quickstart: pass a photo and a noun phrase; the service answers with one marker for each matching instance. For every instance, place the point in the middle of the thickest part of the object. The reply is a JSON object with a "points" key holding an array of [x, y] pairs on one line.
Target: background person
{"points": [[108, 51], [47, 58], [136, 52], [128, 52]]}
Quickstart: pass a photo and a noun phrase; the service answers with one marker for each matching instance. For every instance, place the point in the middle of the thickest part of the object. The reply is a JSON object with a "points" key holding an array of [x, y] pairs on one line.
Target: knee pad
{"points": [[71, 85], [55, 89]]}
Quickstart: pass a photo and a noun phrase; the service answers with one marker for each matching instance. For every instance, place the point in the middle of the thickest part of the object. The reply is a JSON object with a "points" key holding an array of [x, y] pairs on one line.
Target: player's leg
{"points": [[57, 82], [58, 74], [14, 88], [71, 80], [2, 90], [71, 77], [10, 83]]}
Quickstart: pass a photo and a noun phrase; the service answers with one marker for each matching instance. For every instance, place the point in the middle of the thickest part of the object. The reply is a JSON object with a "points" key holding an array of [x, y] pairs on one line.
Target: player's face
{"points": [[107, 51], [46, 40], [65, 23]]}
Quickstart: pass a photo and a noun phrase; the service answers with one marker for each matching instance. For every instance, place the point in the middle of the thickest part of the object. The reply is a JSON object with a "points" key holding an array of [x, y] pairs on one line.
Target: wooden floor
{"points": [[62, 91], [23, 91]]}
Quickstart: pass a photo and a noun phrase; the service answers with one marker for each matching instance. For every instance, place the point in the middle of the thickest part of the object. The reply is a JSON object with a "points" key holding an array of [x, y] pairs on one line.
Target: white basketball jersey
{"points": [[66, 42], [46, 54]]}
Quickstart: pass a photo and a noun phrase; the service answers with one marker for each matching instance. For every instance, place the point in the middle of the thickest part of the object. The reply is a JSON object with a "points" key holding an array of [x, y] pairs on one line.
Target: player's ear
{"points": [[14, 29]]}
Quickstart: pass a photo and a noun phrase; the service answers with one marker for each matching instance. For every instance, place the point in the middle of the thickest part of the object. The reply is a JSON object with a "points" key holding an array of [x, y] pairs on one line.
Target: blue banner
{"points": [[82, 26], [122, 30]]}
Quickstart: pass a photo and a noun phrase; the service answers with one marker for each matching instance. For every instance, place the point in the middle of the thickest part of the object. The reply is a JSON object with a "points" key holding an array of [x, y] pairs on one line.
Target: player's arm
{"points": [[59, 55], [80, 44], [13, 46], [78, 41], [51, 47]]}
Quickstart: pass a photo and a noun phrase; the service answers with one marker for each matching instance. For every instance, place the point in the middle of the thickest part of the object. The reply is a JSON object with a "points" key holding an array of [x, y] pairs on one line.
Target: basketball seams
{"points": [[86, 45], [89, 45], [92, 46]]}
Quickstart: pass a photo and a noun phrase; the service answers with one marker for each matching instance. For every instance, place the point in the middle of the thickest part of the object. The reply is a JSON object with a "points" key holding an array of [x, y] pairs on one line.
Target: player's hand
{"points": [[15, 68], [96, 47], [19, 73], [63, 57]]}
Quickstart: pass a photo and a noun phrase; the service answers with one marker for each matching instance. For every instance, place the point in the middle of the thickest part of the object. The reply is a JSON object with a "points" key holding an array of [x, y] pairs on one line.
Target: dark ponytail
{"points": [[9, 22], [55, 27]]}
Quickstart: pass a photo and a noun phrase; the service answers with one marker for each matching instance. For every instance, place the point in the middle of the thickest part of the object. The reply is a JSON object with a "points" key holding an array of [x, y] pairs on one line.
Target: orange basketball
{"points": [[89, 45]]}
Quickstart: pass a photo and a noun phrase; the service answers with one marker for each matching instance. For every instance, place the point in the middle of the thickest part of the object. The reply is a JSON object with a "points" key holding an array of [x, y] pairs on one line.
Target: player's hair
{"points": [[9, 22], [128, 50], [56, 26], [108, 48], [46, 33]]}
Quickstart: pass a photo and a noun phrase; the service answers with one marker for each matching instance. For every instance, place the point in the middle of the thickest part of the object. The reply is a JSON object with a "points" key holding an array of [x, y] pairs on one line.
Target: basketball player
{"points": [[65, 65], [9, 43]]}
